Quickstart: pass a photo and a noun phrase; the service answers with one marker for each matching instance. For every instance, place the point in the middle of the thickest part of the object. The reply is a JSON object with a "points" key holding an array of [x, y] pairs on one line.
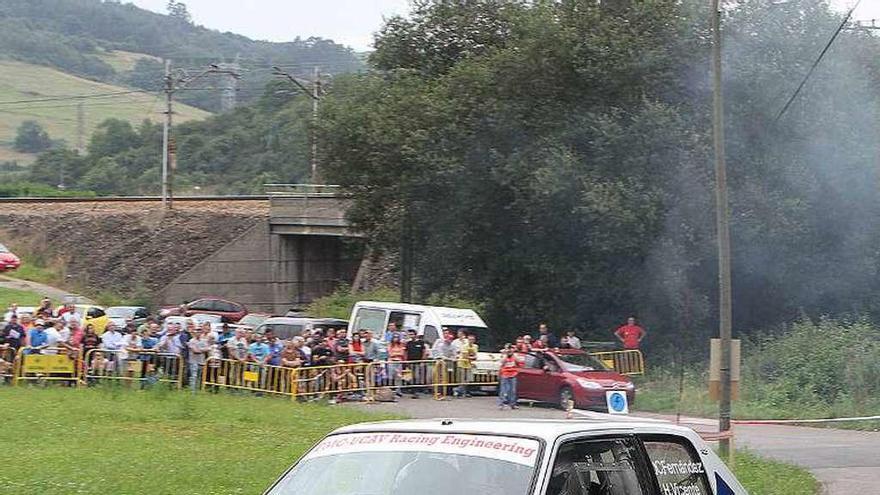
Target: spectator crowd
{"points": [[228, 351]]}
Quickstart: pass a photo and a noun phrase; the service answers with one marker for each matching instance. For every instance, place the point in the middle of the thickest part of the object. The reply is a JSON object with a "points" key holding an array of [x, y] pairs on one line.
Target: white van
{"points": [[426, 320]]}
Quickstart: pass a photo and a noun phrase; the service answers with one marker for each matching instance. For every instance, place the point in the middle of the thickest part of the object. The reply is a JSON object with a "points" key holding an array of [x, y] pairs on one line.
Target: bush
{"points": [[812, 369]]}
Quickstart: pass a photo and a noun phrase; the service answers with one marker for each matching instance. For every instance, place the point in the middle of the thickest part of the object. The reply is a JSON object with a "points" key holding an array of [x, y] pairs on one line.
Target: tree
{"points": [[112, 137], [178, 10], [105, 177], [31, 138]]}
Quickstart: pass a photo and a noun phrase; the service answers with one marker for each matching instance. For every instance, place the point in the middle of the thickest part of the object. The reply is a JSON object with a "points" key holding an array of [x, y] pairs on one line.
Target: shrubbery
{"points": [[811, 369]]}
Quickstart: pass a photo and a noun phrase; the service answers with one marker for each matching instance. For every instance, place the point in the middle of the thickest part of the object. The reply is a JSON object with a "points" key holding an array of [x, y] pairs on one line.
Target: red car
{"points": [[8, 261], [569, 374], [229, 311]]}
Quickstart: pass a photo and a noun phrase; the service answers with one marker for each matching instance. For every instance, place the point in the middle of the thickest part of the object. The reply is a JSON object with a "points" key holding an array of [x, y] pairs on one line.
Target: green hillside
{"points": [[25, 84]]}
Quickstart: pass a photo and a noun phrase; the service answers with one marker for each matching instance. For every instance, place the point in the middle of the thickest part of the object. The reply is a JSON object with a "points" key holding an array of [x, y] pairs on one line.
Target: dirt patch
{"points": [[134, 249]]}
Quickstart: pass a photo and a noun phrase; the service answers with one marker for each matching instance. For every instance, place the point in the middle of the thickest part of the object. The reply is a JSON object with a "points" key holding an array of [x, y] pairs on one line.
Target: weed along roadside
{"points": [[807, 371]]}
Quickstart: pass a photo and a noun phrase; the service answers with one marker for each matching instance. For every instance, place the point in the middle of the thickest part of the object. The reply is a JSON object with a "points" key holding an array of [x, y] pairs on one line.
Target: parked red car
{"points": [[229, 311], [8, 261], [569, 374]]}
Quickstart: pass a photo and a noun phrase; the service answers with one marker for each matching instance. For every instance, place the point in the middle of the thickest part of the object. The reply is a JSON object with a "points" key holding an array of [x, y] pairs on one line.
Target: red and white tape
{"points": [[802, 421]]}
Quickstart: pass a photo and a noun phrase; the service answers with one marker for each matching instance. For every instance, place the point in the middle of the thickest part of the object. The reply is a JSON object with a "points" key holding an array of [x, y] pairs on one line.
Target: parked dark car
{"points": [[569, 374], [229, 311]]}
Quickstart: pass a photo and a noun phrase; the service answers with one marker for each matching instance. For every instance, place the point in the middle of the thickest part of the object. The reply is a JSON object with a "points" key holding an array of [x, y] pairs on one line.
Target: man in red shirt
{"points": [[630, 335], [511, 362]]}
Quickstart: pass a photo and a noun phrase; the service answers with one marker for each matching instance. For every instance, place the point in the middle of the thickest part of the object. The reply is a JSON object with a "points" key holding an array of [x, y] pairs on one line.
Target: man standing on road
{"points": [[416, 350], [508, 371], [467, 355], [630, 335]]}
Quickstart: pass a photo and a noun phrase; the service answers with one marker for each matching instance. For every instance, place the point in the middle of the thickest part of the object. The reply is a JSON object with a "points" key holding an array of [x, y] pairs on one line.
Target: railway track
{"points": [[134, 199]]}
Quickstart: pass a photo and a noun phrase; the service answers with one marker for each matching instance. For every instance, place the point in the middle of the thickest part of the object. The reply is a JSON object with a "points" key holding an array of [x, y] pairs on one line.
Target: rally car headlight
{"points": [[589, 384]]}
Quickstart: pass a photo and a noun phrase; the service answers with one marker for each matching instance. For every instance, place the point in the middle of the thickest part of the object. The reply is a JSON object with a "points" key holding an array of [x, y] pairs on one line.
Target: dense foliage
{"points": [[236, 152], [554, 160], [31, 138], [74, 36]]}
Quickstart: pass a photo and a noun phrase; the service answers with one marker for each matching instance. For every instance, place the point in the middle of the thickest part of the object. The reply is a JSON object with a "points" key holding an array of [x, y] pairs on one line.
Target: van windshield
{"points": [[414, 464]]}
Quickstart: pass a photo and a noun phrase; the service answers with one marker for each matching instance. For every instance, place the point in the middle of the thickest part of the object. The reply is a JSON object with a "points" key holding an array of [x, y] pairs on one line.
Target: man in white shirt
{"points": [[237, 347], [72, 315], [111, 339], [53, 337], [131, 342], [170, 342]]}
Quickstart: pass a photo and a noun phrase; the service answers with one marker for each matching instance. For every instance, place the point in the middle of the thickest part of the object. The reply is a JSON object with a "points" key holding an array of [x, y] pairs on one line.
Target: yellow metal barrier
{"points": [[145, 366], [7, 363], [627, 362], [244, 375], [334, 381], [46, 364]]}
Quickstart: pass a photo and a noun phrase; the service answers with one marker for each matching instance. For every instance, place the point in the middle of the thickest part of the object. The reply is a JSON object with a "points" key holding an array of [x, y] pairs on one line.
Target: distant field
{"points": [[21, 81], [123, 61]]}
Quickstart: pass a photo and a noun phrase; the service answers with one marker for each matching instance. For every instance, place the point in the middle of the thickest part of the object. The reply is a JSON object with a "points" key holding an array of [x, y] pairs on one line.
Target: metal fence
{"points": [[46, 364], [145, 367], [627, 362], [366, 381], [7, 364]]}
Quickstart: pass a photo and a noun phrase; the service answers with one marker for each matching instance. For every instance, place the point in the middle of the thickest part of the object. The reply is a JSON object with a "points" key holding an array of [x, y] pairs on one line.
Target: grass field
{"points": [[22, 297], [765, 477], [20, 81], [112, 440], [659, 393], [156, 442]]}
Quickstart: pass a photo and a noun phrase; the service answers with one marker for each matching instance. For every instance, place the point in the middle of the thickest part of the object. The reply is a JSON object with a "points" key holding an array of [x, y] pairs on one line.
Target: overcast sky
{"points": [[350, 22]]}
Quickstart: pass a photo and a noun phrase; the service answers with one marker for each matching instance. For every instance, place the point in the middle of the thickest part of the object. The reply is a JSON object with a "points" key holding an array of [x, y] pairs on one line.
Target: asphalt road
{"points": [[41, 289], [845, 462]]}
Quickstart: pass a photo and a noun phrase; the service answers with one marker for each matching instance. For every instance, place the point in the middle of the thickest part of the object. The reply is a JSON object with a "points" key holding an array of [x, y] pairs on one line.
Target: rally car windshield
{"points": [[414, 464]]}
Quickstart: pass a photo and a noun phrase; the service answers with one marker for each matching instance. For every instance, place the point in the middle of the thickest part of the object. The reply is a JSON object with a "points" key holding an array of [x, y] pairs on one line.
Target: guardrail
{"points": [[130, 199], [7, 363], [146, 366], [627, 362], [367, 380], [46, 364]]}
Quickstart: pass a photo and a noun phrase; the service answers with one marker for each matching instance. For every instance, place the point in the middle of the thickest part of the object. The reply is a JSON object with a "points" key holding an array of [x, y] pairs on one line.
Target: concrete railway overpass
{"points": [[281, 250]]}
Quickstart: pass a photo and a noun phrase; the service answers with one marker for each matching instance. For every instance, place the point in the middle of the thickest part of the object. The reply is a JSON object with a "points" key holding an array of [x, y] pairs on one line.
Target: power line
{"points": [[71, 97], [818, 60]]}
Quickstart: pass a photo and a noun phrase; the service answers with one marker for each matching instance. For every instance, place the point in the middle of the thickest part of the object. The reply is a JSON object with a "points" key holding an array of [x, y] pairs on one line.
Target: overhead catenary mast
{"points": [[172, 84]]}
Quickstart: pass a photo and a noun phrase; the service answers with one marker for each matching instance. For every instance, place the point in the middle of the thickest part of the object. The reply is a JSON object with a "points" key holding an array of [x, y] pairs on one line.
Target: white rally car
{"points": [[515, 457]]}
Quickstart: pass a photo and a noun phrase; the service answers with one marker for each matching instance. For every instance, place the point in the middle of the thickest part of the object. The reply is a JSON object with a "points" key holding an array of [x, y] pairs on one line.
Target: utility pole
{"points": [[722, 217], [316, 97], [173, 84], [315, 94], [166, 134], [80, 127]]}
